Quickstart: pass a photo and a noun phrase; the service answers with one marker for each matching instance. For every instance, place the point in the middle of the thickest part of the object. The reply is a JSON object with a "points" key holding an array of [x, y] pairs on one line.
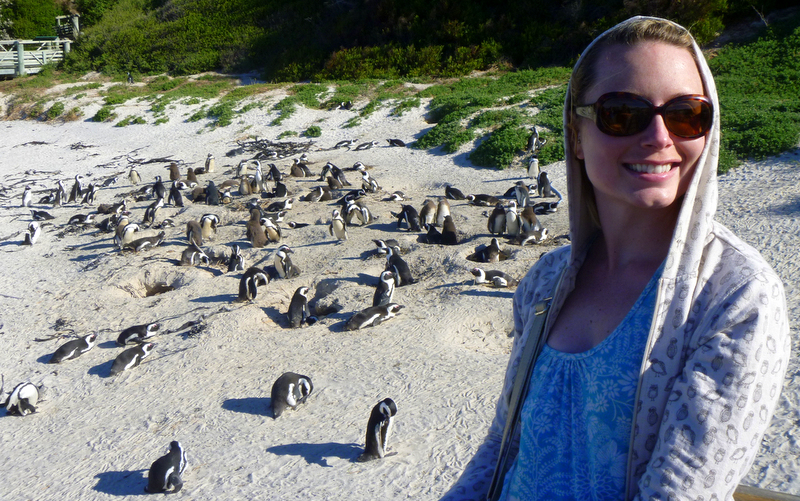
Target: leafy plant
{"points": [[103, 114], [55, 110], [313, 131]]}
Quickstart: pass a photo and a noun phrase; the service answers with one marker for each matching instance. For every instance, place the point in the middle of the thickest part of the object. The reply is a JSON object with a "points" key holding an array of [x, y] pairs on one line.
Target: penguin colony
{"points": [[516, 218]]}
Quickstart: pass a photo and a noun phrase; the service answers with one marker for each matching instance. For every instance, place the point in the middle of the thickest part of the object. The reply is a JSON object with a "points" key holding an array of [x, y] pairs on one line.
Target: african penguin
{"points": [[130, 358], [453, 193], [194, 233], [490, 253], [145, 243], [410, 215], [442, 210], [372, 316], [384, 291], [283, 263], [398, 266], [236, 261], [74, 349], [298, 308], [210, 163], [255, 232], [337, 227], [379, 428], [396, 142], [449, 234], [22, 400], [31, 234], [383, 245], [208, 224], [272, 230], [512, 219], [250, 281], [289, 390], [427, 215], [174, 172], [137, 334], [151, 212], [194, 255], [159, 189], [76, 190], [134, 177], [486, 276], [483, 200], [497, 220], [212, 195], [165, 472], [175, 198], [27, 195], [544, 187]]}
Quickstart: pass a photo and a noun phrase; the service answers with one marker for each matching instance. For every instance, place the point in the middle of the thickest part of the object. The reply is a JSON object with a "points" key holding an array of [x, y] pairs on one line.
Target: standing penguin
{"points": [[210, 163], [497, 220], [543, 182], [159, 189], [289, 390], [255, 233], [272, 230], [449, 234], [427, 216], [442, 211], [208, 224], [283, 263], [175, 198], [384, 292], [533, 166], [194, 233], [191, 177], [22, 400], [250, 282], [338, 228], [74, 349], [151, 212], [379, 427], [31, 234], [130, 358], [174, 172], [398, 266], [76, 190], [512, 219], [236, 261], [27, 196], [134, 176], [212, 194], [298, 308], [410, 215], [137, 333], [165, 472]]}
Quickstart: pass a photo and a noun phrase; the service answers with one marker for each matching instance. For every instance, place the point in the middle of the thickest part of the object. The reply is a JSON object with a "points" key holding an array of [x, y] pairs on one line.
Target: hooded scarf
{"points": [[716, 352]]}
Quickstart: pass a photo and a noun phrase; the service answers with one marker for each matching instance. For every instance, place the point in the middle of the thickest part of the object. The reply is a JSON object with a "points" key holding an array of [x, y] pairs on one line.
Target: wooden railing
{"points": [[747, 493], [25, 57]]}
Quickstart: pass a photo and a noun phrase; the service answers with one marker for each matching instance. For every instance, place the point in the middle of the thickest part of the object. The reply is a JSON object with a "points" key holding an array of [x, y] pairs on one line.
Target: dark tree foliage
{"points": [[32, 18]]}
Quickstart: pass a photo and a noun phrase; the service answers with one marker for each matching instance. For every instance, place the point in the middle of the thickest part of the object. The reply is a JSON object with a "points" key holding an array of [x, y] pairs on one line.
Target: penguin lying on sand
{"points": [[379, 427], [289, 390], [130, 358], [489, 276], [373, 316], [165, 472], [137, 333], [74, 349], [22, 400]]}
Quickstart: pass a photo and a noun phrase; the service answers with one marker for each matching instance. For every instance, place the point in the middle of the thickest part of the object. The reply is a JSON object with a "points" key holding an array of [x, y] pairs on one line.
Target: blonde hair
{"points": [[629, 33]]}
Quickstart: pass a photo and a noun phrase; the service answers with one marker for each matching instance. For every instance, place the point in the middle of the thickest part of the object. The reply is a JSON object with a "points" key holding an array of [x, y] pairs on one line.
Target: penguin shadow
{"points": [[219, 298], [501, 293], [332, 241], [250, 405], [45, 359], [276, 316], [108, 345], [319, 453], [389, 227], [121, 483], [102, 370], [452, 284]]}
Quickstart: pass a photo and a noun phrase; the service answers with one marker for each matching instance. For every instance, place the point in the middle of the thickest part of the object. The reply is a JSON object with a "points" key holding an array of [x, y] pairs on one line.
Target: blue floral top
{"points": [[576, 419]]}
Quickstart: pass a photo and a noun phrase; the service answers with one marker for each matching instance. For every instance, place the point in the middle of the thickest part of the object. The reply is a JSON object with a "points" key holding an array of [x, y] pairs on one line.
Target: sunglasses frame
{"points": [[591, 111]]}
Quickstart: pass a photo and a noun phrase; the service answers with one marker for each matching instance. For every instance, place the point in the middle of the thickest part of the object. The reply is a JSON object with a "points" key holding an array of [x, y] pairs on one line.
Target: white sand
{"points": [[442, 359]]}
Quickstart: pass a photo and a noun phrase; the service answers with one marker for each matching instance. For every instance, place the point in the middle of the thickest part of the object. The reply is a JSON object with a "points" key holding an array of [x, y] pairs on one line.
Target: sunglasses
{"points": [[626, 114]]}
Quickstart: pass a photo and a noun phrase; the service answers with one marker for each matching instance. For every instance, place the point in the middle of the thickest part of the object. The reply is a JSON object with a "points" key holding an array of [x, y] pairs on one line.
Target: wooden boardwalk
{"points": [[26, 57]]}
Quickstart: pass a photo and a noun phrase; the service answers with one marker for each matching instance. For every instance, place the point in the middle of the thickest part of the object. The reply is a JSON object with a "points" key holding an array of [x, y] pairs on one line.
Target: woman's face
{"points": [[653, 168]]}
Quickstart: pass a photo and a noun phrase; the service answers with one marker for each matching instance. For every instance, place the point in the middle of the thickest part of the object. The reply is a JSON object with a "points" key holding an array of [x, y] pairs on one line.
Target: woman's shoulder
{"points": [[729, 257]]}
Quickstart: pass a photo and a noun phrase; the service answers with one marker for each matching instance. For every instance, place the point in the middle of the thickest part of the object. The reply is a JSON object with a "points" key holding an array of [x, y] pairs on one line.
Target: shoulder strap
{"points": [[518, 392]]}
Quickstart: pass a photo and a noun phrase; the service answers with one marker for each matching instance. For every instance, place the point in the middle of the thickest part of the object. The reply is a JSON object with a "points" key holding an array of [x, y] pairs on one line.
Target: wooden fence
{"points": [[25, 57]]}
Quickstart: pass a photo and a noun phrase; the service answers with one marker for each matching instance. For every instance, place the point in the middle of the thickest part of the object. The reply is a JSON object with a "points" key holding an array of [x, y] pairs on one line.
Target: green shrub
{"points": [[55, 110], [313, 131], [103, 114], [499, 149], [161, 120], [287, 133], [73, 114]]}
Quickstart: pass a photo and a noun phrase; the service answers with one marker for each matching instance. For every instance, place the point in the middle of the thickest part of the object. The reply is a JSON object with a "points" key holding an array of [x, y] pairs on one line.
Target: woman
{"points": [[666, 342]]}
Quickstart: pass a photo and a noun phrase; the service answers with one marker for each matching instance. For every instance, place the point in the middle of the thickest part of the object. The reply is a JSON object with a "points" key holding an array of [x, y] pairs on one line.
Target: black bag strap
{"points": [[518, 392]]}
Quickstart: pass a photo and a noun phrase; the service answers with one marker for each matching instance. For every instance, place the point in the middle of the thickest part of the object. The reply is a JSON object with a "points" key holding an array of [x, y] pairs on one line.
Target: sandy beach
{"points": [[208, 384]]}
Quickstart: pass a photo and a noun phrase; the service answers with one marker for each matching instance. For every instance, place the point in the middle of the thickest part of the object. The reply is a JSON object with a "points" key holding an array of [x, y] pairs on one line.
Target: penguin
{"points": [[449, 234], [255, 232], [483, 277], [304, 158], [271, 230], [427, 215], [379, 428], [368, 183], [544, 187], [194, 233], [252, 279], [293, 224], [512, 219], [159, 189], [22, 400], [129, 78], [41, 215], [49, 198], [108, 182], [236, 261], [212, 195], [279, 206], [145, 243], [347, 143], [352, 211], [151, 213], [497, 220], [131, 357], [433, 236], [289, 390], [280, 190], [410, 215], [81, 219], [194, 255], [373, 316], [383, 245], [137, 334], [365, 215], [274, 173], [534, 144], [175, 198], [395, 196], [283, 263], [545, 207], [91, 191], [165, 472], [366, 146], [298, 308], [124, 231], [396, 142], [227, 185], [318, 194], [134, 177], [337, 226], [116, 208], [76, 190], [244, 186], [533, 167], [483, 200], [27, 195], [384, 292], [528, 221], [191, 177], [58, 200], [453, 193], [74, 349], [208, 224], [210, 163], [198, 194], [338, 174], [522, 194], [490, 253], [299, 169], [442, 210], [351, 196], [174, 173], [31, 234], [333, 183], [398, 266]]}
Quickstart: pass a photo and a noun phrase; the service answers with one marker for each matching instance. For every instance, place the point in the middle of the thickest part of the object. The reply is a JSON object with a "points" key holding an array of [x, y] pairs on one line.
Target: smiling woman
{"points": [[648, 376]]}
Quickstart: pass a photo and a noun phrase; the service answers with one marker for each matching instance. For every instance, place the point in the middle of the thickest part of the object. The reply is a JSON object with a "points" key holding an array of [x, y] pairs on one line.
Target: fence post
{"points": [[20, 58], [66, 47]]}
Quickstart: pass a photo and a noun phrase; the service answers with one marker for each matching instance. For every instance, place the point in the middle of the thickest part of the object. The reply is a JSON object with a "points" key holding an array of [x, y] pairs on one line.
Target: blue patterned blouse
{"points": [[576, 419]]}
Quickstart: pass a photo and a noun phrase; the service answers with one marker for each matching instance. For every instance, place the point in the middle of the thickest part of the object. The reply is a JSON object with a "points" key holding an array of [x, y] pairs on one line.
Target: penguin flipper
{"points": [[175, 481]]}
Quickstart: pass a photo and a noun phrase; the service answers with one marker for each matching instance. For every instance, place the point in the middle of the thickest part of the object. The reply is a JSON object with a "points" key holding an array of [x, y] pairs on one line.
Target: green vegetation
{"points": [[130, 119], [313, 131], [287, 133], [103, 114], [31, 18], [55, 110]]}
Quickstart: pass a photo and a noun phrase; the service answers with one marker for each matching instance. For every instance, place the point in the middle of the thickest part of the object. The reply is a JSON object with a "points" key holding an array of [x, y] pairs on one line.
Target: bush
{"points": [[55, 110], [73, 114], [501, 147], [103, 114], [313, 131]]}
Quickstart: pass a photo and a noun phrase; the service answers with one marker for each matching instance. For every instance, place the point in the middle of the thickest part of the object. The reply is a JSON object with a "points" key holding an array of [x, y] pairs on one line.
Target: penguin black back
{"points": [[379, 428], [165, 472]]}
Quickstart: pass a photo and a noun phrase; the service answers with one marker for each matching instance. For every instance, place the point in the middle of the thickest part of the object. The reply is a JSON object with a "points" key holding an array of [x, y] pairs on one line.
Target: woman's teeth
{"points": [[650, 169]]}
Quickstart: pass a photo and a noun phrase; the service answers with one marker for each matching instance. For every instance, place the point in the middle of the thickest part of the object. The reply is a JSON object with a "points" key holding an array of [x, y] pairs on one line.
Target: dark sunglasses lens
{"points": [[623, 116], [688, 118]]}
